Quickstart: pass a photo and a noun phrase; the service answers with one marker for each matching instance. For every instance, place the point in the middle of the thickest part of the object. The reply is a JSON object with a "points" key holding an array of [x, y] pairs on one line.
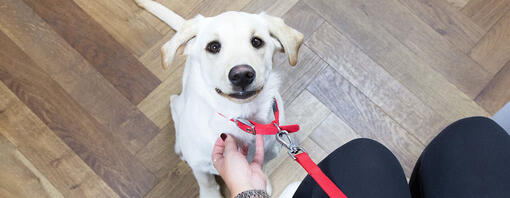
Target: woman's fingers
{"points": [[217, 154], [259, 150]]}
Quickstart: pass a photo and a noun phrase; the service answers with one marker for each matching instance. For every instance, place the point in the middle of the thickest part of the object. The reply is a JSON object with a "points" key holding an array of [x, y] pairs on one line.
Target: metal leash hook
{"points": [[292, 148]]}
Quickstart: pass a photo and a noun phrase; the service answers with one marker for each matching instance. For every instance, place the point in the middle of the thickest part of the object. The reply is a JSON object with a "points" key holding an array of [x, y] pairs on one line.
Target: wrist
{"points": [[235, 190]]}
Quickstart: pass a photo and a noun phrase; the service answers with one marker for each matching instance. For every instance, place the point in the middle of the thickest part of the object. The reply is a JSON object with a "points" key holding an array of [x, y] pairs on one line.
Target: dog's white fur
{"points": [[195, 110]]}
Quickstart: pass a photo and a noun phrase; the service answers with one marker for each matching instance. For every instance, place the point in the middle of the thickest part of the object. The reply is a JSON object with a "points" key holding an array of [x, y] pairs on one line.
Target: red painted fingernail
{"points": [[223, 136]]}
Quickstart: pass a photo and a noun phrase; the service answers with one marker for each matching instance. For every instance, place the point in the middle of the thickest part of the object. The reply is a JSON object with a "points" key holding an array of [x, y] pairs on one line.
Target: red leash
{"points": [[295, 151]]}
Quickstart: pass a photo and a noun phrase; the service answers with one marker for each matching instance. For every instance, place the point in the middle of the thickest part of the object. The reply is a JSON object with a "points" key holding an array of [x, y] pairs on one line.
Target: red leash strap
{"points": [[264, 129], [324, 182]]}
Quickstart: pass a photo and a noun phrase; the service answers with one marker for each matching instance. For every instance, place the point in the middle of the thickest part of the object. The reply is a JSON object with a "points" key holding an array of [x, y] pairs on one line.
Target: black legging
{"points": [[470, 158]]}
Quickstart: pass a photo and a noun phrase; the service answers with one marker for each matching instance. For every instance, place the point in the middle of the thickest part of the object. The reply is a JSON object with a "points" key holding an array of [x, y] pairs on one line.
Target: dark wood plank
{"points": [[78, 78], [366, 118], [409, 68], [493, 51], [94, 143], [47, 152], [371, 79], [98, 47], [486, 13], [497, 92], [453, 25]]}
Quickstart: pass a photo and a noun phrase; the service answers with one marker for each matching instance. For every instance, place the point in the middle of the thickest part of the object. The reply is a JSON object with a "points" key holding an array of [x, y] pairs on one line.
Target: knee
{"points": [[366, 150], [472, 128]]}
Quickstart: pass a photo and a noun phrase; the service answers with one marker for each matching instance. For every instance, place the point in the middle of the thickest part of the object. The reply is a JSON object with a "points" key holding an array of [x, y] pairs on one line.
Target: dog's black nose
{"points": [[241, 75]]}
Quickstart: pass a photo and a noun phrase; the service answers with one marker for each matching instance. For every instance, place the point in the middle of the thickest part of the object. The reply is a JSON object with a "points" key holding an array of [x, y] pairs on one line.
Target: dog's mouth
{"points": [[240, 95]]}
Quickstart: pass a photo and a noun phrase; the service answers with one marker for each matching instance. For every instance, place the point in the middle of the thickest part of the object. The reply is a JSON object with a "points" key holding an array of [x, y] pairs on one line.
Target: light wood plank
{"points": [[295, 79], [493, 51], [486, 13], [93, 142], [108, 56], [125, 22], [19, 177], [382, 89], [78, 78], [159, 155], [405, 66], [46, 151], [271, 7], [157, 104], [497, 92], [457, 4], [333, 133], [152, 59], [214, 7], [449, 22], [366, 118], [179, 182]]}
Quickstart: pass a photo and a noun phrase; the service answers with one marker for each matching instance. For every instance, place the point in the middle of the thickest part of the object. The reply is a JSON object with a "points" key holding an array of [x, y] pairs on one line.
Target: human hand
{"points": [[231, 163]]}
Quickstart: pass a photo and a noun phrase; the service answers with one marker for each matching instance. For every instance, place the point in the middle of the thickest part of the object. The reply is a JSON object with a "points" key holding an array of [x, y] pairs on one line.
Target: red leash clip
{"points": [[299, 154]]}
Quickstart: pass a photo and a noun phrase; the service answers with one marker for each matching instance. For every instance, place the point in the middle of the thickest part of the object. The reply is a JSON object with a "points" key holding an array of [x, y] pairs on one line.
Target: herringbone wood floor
{"points": [[84, 100]]}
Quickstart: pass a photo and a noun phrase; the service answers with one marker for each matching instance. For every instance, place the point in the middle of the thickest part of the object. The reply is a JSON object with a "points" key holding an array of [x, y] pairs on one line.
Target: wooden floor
{"points": [[84, 100]]}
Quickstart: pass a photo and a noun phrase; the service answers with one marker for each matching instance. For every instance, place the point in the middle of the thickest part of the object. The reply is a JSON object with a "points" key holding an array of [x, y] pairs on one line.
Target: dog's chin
{"points": [[240, 96]]}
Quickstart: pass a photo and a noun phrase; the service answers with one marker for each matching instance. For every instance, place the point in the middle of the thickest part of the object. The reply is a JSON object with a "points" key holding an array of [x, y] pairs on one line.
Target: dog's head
{"points": [[235, 50]]}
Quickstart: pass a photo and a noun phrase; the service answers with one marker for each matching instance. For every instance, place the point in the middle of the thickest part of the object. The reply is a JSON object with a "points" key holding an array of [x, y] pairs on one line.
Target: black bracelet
{"points": [[253, 194]]}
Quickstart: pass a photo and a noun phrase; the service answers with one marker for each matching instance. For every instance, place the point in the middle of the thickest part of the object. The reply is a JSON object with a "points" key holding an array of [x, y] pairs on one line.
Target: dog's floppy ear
{"points": [[289, 38], [188, 30]]}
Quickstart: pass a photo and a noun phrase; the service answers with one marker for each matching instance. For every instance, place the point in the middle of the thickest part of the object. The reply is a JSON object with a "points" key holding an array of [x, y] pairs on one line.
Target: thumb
{"points": [[230, 144]]}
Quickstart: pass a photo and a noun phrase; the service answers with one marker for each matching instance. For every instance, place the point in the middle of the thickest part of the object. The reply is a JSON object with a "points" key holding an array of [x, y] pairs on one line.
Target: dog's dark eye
{"points": [[257, 42], [213, 47]]}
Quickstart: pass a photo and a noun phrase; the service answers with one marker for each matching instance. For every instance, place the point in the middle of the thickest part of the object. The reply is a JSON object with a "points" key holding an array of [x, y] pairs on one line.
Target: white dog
{"points": [[229, 71]]}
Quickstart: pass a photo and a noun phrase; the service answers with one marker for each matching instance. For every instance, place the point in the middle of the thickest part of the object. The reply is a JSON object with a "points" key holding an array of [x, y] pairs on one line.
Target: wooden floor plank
{"points": [[152, 59], [497, 92], [457, 4], [98, 47], [418, 38], [179, 182], [486, 13], [207, 9], [449, 22], [493, 51], [83, 134], [47, 152], [73, 73], [382, 89], [159, 155], [19, 177], [333, 133], [295, 79], [156, 106], [271, 7], [405, 66], [125, 21], [366, 118]]}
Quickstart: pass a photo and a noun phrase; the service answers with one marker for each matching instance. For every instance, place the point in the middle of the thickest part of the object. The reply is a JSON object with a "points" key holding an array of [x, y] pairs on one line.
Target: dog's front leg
{"points": [[208, 186]]}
